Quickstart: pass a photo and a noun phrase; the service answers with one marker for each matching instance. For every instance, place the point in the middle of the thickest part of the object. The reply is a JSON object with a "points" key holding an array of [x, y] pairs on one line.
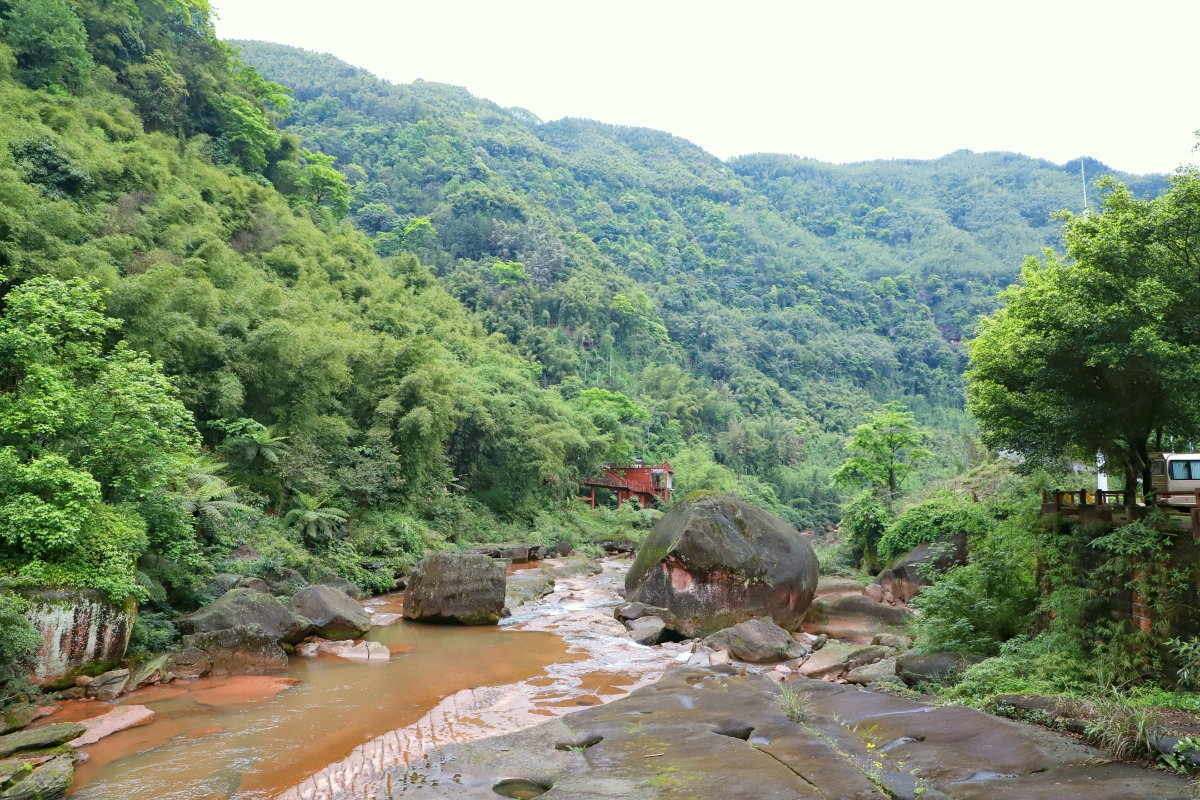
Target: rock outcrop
{"points": [[78, 627], [913, 668], [342, 585], [190, 663], [241, 607], [855, 618], [714, 561], [241, 650], [456, 587], [904, 579], [108, 686], [333, 613], [758, 641]]}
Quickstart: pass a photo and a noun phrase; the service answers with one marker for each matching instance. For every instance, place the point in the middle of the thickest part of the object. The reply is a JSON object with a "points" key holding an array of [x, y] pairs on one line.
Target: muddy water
{"points": [[330, 723], [251, 737]]}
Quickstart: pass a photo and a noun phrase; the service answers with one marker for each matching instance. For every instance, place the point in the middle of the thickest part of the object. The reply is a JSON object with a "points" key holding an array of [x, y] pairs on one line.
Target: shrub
{"points": [[18, 644], [942, 516], [1046, 665]]}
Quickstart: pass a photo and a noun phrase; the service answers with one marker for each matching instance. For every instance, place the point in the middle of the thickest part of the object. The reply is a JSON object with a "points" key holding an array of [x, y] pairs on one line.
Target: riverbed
{"points": [[252, 737]]}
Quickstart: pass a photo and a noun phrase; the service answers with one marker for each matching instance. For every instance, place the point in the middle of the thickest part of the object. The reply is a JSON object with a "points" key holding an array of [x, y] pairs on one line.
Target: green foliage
{"points": [[791, 703], [887, 450], [509, 273], [1125, 730], [322, 185], [1096, 352], [1043, 665], [50, 44], [247, 137], [944, 515], [1186, 653], [18, 643]]}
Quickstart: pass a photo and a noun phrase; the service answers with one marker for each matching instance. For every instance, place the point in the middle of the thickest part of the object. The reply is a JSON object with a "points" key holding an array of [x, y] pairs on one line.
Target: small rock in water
{"points": [[719, 657], [190, 663], [153, 671], [326, 646], [118, 719], [646, 630], [307, 650], [366, 651], [109, 685], [756, 641], [378, 620], [820, 641]]}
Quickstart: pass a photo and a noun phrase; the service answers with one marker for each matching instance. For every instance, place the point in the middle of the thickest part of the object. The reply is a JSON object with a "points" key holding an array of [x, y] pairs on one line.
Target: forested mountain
{"points": [[758, 307]]}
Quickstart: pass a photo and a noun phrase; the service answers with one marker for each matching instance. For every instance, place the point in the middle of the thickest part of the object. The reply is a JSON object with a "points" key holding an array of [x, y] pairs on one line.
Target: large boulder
{"points": [[108, 686], [284, 581], [914, 668], [715, 561], [78, 627], [38, 779], [240, 607], [40, 738], [855, 618], [342, 585], [757, 641], [334, 613], [911, 571], [459, 587], [243, 650]]}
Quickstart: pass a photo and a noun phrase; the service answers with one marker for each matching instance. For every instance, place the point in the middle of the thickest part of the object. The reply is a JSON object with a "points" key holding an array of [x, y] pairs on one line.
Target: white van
{"points": [[1175, 478]]}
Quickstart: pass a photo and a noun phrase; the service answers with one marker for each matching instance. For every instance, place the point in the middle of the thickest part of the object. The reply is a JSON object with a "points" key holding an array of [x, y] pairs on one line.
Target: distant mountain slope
{"points": [[788, 287]]}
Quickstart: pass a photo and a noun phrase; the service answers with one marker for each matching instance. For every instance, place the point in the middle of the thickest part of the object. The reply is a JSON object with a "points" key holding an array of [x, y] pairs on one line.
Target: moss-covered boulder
{"points": [[456, 587], [334, 613], [714, 561], [240, 607]]}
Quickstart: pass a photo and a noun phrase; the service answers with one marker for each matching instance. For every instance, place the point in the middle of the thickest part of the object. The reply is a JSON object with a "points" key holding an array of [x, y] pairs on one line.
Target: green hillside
{"points": [[730, 300]]}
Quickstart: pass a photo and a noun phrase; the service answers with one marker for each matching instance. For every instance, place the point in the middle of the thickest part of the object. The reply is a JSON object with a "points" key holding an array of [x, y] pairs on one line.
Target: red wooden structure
{"points": [[649, 483]]}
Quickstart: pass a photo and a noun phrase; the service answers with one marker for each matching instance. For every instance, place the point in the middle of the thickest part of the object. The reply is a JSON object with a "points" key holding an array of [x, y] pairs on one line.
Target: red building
{"points": [[649, 483]]}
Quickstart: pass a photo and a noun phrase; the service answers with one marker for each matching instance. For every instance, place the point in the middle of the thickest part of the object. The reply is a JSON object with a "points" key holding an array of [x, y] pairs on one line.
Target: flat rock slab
{"points": [[39, 738], [855, 618], [708, 734], [118, 719]]}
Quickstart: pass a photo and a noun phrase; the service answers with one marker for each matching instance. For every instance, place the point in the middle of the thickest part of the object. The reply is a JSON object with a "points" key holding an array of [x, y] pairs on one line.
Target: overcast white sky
{"points": [[838, 81]]}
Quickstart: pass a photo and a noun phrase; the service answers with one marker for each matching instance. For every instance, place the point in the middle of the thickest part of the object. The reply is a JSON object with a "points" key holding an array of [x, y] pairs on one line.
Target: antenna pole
{"points": [[1083, 177]]}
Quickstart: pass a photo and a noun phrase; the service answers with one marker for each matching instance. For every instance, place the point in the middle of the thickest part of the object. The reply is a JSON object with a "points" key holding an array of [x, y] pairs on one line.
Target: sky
{"points": [[837, 81]]}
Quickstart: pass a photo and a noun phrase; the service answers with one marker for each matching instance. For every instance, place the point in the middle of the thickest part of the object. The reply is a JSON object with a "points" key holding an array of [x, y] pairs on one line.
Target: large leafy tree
{"points": [[92, 442], [1100, 351], [887, 449]]}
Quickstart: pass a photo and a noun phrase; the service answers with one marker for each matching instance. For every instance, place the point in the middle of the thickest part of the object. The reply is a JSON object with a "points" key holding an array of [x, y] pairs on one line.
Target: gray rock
{"points": [[910, 572], [284, 581], [560, 550], [109, 685], [48, 781], [244, 552], [757, 641], [715, 561], [190, 663], [461, 587], [221, 583], [40, 738], [17, 716], [835, 658], [854, 618], [646, 630], [342, 585], [892, 640], [240, 607], [334, 613], [912, 668], [528, 586], [244, 650], [153, 671], [631, 611], [882, 670], [74, 693], [255, 585]]}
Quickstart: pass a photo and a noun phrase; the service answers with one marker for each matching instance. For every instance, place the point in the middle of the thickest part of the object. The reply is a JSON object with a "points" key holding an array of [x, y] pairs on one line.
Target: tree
{"points": [[887, 449], [322, 185], [1099, 352], [159, 92], [91, 443], [246, 136], [49, 42]]}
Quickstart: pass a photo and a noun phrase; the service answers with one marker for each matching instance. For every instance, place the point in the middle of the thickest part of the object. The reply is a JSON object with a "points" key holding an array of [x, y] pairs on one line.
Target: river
{"points": [[251, 737]]}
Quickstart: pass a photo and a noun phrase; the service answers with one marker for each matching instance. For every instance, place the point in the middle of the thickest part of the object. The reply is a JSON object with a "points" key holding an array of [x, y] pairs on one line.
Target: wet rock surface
{"points": [[646, 630], [334, 614], [855, 618], [38, 779], [757, 641], [714, 734], [456, 587], [241, 607], [119, 719], [241, 650], [17, 716], [78, 627], [190, 663], [40, 738], [107, 686], [714, 561]]}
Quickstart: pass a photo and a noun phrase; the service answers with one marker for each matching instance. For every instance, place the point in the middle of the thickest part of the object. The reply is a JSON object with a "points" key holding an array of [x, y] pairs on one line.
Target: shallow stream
{"points": [[251, 737]]}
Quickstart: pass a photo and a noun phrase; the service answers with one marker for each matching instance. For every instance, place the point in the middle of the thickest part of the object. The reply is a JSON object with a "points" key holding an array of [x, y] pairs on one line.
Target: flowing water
{"points": [[334, 722]]}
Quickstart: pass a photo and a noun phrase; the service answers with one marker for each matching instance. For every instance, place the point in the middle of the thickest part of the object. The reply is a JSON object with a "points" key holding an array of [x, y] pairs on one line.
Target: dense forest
{"points": [[754, 311]]}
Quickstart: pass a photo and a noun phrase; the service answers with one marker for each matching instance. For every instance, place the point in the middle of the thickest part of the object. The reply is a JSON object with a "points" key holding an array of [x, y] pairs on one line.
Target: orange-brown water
{"points": [[252, 737]]}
